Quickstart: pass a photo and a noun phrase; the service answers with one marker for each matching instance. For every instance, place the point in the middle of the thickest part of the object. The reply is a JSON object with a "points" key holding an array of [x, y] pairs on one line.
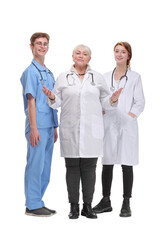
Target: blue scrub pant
{"points": [[37, 172]]}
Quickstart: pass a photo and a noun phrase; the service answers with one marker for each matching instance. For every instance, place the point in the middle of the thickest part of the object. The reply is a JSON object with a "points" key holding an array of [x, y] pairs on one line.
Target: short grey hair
{"points": [[84, 47]]}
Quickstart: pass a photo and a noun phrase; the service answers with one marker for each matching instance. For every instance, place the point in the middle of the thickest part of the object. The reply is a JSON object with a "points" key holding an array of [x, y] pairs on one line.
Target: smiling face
{"points": [[81, 57], [121, 55], [40, 47]]}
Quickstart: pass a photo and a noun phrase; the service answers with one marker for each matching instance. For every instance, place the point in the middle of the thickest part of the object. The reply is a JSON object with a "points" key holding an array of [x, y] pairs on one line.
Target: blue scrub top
{"points": [[32, 84]]}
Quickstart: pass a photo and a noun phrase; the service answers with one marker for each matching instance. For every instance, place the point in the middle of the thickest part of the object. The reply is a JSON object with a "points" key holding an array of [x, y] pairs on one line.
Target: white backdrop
{"points": [[98, 24]]}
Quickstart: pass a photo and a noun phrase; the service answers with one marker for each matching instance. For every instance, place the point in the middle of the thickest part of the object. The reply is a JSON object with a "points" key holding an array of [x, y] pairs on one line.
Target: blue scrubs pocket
{"points": [[43, 107]]}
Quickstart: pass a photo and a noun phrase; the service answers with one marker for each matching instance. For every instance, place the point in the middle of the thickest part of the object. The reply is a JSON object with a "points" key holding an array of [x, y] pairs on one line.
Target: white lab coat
{"points": [[81, 122], [121, 130]]}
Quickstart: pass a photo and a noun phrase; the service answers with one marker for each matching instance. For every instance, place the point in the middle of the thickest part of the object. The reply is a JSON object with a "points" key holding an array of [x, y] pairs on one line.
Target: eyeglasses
{"points": [[45, 44]]}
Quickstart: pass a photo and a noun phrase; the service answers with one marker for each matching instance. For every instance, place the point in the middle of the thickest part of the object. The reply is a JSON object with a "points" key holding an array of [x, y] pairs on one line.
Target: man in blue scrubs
{"points": [[40, 128]]}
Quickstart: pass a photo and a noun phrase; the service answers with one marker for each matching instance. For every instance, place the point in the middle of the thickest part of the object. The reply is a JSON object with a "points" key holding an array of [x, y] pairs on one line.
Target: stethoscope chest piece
{"points": [[92, 83], [43, 81], [112, 88]]}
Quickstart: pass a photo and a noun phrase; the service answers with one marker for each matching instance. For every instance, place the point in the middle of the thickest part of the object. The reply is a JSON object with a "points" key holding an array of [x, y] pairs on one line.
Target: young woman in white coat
{"points": [[81, 93], [121, 129]]}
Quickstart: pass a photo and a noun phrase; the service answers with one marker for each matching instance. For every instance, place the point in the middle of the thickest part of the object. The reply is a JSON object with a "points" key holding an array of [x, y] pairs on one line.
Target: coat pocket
{"points": [[97, 127], [130, 125]]}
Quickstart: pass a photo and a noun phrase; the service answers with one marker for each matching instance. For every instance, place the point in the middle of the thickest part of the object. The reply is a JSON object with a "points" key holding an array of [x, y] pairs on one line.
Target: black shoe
{"points": [[50, 210], [40, 212], [74, 211], [103, 206], [87, 211], [125, 210]]}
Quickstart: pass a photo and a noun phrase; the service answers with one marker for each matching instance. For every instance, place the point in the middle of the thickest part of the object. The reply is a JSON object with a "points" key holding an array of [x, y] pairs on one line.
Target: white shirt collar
{"points": [[75, 71]]}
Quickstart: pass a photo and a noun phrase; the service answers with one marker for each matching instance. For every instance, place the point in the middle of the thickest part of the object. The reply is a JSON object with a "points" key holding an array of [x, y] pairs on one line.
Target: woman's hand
{"points": [[48, 93], [116, 95], [132, 114]]}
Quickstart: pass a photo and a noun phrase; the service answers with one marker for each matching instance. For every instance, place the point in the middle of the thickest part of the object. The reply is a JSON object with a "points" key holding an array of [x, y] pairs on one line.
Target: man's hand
{"points": [[34, 137]]}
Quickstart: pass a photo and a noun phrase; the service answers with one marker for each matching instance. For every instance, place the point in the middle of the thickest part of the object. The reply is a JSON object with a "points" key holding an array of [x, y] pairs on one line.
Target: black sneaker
{"points": [[125, 210], [40, 212], [50, 210], [103, 206]]}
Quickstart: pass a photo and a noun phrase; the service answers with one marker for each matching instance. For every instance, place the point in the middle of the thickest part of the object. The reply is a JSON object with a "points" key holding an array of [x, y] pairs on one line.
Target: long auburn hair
{"points": [[127, 46]]}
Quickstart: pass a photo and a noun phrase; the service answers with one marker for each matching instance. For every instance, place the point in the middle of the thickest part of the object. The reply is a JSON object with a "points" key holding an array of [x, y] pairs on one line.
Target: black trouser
{"points": [[84, 170], [107, 176]]}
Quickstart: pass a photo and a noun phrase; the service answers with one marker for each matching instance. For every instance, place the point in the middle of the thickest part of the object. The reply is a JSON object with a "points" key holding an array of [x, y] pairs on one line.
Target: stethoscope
{"points": [[42, 80], [112, 88], [73, 81]]}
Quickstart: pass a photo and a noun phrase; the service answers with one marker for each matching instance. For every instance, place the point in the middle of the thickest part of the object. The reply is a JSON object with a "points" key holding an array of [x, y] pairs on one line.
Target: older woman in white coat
{"points": [[121, 129], [81, 93]]}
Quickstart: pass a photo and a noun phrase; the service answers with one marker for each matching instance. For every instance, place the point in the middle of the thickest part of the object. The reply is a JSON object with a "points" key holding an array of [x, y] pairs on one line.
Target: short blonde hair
{"points": [[84, 47]]}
